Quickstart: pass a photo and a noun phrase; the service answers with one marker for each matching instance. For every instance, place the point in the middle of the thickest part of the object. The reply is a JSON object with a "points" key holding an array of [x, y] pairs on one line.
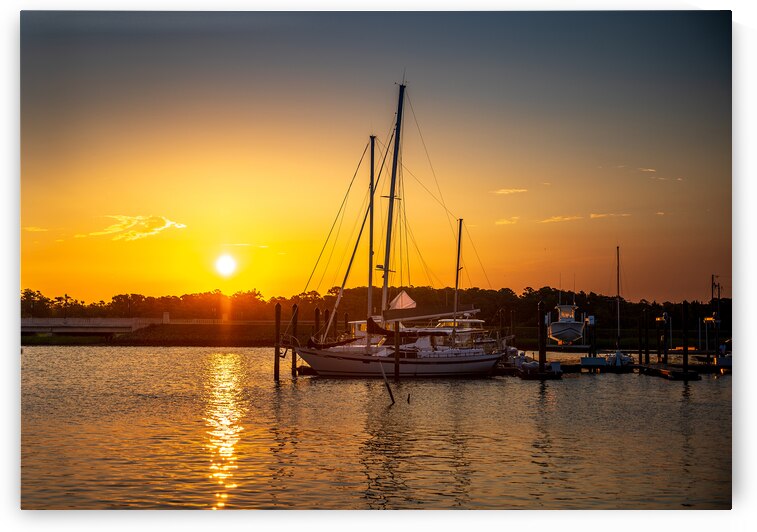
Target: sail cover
{"points": [[402, 301]]}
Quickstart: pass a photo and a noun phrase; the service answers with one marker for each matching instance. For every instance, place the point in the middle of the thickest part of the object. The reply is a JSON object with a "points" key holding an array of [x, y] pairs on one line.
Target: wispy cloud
{"points": [[134, 227], [621, 166], [679, 179], [658, 178], [508, 221], [594, 216], [547, 184], [660, 213], [647, 170], [248, 245], [509, 190], [33, 229], [554, 219]]}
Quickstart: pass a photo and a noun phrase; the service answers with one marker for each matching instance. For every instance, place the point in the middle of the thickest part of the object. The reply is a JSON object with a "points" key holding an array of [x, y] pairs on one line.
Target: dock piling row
{"points": [[277, 348]]}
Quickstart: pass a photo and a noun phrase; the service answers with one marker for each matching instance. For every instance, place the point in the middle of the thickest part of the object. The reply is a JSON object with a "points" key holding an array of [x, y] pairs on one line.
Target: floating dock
{"points": [[670, 373]]}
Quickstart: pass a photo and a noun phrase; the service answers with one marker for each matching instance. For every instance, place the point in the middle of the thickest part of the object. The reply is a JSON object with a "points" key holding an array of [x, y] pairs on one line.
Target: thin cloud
{"points": [[555, 219], [34, 229], [508, 221], [547, 184], [510, 191], [657, 178], [132, 228], [679, 179], [247, 245], [660, 213], [594, 216], [647, 170]]}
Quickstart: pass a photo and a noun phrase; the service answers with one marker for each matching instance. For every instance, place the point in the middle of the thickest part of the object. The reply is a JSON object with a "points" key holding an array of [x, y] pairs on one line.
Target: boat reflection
{"points": [[405, 464], [223, 415]]}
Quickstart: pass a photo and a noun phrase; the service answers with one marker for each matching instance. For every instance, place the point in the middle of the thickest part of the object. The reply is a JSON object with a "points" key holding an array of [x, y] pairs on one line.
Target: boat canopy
{"points": [[566, 312], [418, 314], [461, 323], [375, 328]]}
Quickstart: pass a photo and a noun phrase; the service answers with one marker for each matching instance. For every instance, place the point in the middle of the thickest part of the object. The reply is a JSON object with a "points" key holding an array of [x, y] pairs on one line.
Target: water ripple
{"points": [[208, 428]]}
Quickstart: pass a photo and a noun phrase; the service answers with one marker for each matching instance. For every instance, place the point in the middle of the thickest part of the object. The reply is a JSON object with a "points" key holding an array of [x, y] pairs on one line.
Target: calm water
{"points": [[207, 428]]}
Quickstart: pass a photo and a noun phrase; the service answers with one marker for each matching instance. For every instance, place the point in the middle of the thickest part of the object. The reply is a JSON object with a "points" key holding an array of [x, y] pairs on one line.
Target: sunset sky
{"points": [[154, 143]]}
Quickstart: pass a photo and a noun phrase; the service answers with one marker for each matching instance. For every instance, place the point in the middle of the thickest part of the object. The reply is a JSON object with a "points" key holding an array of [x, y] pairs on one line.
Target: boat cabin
{"points": [[463, 323], [359, 328]]}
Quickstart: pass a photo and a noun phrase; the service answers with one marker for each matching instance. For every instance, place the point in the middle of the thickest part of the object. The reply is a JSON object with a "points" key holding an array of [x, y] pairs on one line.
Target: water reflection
{"points": [[285, 437], [461, 466], [416, 454], [382, 454], [541, 456], [223, 410], [687, 431]]}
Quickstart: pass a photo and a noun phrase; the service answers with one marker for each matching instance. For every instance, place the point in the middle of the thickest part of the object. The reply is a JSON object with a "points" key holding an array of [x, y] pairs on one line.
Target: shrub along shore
{"points": [[263, 335]]}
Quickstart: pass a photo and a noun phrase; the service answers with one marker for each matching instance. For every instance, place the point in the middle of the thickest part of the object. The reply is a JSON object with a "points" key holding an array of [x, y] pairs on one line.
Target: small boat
{"points": [[456, 345], [566, 329]]}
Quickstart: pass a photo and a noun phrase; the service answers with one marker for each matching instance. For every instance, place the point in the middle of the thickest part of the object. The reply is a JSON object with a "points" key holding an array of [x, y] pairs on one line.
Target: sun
{"points": [[226, 265]]}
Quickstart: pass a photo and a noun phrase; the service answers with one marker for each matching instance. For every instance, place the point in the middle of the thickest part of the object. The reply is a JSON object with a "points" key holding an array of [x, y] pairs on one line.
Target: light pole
{"points": [[707, 321]]}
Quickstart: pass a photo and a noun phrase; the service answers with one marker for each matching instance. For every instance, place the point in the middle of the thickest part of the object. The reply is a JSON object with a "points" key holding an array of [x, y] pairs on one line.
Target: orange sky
{"points": [[151, 145]]}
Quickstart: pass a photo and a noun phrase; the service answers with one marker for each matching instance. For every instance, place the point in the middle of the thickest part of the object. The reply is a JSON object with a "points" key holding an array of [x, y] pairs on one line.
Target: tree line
{"points": [[501, 307]]}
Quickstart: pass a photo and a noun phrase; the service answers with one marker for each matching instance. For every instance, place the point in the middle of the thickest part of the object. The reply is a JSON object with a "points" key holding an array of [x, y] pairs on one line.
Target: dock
{"points": [[670, 373]]}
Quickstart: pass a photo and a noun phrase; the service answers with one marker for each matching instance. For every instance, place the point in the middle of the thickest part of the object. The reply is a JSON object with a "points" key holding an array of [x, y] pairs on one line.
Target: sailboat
{"points": [[618, 359], [456, 346]]}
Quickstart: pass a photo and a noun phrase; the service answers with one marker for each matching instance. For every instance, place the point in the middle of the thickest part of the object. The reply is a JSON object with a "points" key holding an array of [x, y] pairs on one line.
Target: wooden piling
{"points": [[397, 351], [641, 339], [346, 323], [657, 334], [664, 344], [277, 348], [646, 335], [294, 341], [542, 337], [326, 316], [685, 339], [317, 321]]}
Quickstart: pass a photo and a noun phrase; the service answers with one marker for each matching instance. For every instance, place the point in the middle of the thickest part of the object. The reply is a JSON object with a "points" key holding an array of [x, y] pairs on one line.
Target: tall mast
{"points": [[617, 251], [457, 276], [392, 188], [370, 230]]}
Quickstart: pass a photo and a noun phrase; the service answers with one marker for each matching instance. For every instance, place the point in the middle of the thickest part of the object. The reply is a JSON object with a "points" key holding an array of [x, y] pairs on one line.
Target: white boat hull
{"points": [[566, 331], [335, 363]]}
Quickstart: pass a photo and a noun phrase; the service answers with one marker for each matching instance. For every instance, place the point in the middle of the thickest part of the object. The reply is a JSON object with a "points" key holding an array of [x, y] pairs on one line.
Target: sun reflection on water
{"points": [[223, 414]]}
